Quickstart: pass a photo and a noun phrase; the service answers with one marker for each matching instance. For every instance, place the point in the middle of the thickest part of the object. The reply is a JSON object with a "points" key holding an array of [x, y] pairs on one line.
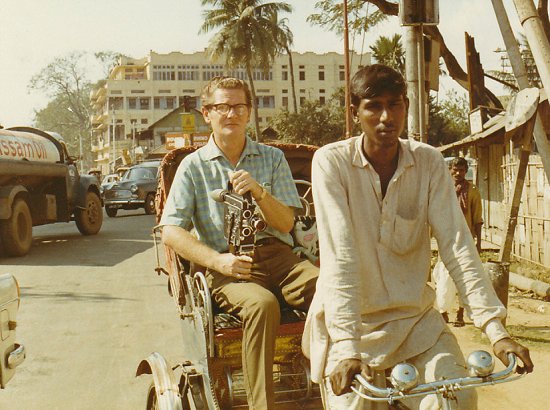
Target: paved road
{"points": [[91, 308]]}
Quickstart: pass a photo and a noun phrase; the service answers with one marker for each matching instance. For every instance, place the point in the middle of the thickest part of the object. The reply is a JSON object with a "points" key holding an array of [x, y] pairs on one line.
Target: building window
{"points": [[211, 71], [115, 103], [267, 101], [144, 103], [116, 91], [342, 73], [285, 102], [302, 75], [322, 100], [321, 76], [134, 73], [192, 101], [165, 103], [285, 91], [164, 73], [302, 100], [302, 90], [188, 72], [137, 92], [132, 103], [144, 121], [164, 91], [321, 91], [285, 75]]}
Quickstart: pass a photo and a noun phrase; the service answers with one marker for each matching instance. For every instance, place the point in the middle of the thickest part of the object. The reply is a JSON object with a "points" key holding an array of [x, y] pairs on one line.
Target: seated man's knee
{"points": [[262, 305]]}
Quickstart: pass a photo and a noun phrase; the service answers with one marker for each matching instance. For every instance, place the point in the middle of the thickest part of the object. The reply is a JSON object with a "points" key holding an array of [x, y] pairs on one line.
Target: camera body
{"points": [[241, 223]]}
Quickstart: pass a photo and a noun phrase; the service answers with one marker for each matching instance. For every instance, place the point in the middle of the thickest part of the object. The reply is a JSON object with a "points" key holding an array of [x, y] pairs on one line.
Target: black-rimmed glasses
{"points": [[223, 109]]}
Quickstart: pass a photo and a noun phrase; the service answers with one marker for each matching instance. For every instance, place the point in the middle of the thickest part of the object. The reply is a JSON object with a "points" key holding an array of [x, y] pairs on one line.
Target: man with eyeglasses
{"points": [[249, 287]]}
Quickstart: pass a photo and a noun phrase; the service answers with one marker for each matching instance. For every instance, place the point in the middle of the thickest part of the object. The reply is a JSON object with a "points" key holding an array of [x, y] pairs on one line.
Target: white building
{"points": [[139, 92]]}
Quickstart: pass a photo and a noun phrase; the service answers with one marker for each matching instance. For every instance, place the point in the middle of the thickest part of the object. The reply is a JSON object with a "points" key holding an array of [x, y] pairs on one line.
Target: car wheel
{"points": [[16, 232], [150, 204], [111, 211], [89, 220]]}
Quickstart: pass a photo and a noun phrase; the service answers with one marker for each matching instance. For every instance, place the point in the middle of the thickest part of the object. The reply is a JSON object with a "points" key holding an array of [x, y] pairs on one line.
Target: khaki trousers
{"points": [[443, 360], [278, 276]]}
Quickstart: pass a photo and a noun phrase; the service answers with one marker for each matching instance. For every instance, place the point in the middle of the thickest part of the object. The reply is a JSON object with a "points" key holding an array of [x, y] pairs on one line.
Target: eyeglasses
{"points": [[223, 109]]}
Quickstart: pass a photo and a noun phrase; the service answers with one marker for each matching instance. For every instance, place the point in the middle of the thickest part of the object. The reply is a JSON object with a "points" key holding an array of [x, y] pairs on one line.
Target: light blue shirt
{"points": [[205, 170]]}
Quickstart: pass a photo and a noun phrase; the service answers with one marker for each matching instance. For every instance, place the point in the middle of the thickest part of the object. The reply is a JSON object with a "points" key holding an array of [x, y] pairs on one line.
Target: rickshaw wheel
{"points": [[152, 402]]}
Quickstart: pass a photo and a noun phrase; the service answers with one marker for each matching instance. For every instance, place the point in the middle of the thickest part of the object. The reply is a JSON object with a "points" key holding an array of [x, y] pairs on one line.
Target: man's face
{"points": [[458, 172], [382, 118], [231, 124]]}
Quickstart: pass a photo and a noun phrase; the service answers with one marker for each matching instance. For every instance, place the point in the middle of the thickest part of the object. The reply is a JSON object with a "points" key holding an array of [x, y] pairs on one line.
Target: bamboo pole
{"points": [[347, 95], [520, 72]]}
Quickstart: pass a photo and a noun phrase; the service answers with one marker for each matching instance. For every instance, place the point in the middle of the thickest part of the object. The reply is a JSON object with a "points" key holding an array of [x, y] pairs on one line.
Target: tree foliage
{"points": [[65, 81], [390, 52], [247, 36], [448, 119], [314, 123]]}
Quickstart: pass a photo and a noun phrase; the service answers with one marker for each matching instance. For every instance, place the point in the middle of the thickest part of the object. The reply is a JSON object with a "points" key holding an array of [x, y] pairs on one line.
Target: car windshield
{"points": [[140, 173]]}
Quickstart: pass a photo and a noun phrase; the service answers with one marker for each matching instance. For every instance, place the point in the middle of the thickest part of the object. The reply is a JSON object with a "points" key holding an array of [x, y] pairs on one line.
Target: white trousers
{"points": [[444, 360]]}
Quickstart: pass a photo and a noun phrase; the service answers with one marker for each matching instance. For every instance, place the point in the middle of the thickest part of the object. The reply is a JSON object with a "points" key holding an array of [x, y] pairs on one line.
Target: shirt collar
{"points": [[211, 151], [359, 158]]}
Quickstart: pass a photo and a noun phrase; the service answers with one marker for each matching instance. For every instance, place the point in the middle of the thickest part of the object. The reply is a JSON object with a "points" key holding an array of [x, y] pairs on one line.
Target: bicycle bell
{"points": [[480, 363], [404, 376]]}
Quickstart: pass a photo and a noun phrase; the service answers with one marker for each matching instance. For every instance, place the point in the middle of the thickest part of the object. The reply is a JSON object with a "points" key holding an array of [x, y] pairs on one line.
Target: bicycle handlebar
{"points": [[410, 389]]}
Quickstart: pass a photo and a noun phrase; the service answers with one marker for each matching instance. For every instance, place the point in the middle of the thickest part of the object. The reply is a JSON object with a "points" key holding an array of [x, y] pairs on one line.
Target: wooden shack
{"points": [[497, 154]]}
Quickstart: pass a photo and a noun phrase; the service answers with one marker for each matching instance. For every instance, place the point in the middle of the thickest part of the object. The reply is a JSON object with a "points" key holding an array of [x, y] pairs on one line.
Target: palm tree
{"points": [[389, 51], [246, 37], [285, 42]]}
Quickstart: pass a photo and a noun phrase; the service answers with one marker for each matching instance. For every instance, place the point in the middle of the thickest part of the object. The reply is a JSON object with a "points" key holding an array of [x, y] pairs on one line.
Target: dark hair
{"points": [[375, 80], [228, 83], [459, 162]]}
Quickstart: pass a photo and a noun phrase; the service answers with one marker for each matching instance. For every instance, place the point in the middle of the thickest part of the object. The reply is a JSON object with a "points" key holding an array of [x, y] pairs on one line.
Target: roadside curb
{"points": [[538, 287]]}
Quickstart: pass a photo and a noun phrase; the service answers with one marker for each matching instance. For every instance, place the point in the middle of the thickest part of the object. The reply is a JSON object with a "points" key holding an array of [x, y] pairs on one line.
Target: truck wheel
{"points": [[111, 211], [150, 204], [16, 231], [89, 220]]}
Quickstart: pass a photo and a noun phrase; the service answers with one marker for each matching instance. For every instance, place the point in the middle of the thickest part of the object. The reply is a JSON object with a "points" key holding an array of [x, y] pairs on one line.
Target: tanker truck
{"points": [[40, 184]]}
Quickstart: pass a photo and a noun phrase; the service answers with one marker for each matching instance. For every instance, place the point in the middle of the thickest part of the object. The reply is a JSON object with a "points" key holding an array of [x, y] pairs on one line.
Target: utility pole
{"points": [[414, 14], [520, 72]]}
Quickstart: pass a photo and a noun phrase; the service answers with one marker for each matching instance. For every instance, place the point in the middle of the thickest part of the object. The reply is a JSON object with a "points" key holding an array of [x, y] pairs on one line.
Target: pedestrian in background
{"points": [[469, 200]]}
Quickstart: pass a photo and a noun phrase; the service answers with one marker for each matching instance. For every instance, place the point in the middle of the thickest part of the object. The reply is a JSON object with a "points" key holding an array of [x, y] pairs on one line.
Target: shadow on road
{"points": [[120, 238], [27, 293]]}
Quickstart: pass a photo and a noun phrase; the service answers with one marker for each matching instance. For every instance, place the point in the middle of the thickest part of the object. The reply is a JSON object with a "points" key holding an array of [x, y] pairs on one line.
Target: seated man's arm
{"points": [[189, 247], [276, 214]]}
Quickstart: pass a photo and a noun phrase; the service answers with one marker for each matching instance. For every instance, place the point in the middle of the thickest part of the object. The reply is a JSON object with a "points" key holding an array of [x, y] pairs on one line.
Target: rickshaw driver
{"points": [[247, 287], [375, 197]]}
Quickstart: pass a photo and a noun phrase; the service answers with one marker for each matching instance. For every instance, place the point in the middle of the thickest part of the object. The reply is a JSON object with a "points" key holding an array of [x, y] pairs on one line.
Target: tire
{"points": [[111, 211], [150, 204], [16, 232], [89, 220], [152, 401]]}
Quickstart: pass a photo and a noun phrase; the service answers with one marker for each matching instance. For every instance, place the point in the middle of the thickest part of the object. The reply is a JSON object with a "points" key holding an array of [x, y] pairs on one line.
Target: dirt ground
{"points": [[529, 323]]}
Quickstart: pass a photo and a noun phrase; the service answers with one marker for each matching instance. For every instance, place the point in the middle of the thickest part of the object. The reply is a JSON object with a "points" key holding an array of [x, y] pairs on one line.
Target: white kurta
{"points": [[373, 300]]}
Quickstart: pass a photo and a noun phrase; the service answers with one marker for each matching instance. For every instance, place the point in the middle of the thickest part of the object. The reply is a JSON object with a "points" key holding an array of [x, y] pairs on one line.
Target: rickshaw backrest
{"points": [[168, 167]]}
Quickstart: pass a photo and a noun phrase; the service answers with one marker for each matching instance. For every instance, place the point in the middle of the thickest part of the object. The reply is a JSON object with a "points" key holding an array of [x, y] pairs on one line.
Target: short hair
{"points": [[228, 83], [459, 162], [375, 80]]}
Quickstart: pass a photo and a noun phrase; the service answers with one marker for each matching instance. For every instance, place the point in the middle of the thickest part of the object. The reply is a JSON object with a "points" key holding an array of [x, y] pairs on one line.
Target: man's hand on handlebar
{"points": [[234, 266], [344, 373], [507, 345]]}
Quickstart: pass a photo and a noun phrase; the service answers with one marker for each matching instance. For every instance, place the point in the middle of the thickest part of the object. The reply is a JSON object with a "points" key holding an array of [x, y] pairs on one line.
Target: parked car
{"points": [[136, 189], [107, 182], [12, 353]]}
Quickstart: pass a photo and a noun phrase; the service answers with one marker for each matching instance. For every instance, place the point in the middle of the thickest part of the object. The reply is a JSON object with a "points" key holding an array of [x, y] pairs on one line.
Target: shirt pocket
{"points": [[406, 233]]}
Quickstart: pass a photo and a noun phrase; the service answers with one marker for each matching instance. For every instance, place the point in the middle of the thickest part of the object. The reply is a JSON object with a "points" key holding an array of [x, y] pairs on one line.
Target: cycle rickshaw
{"points": [[209, 375]]}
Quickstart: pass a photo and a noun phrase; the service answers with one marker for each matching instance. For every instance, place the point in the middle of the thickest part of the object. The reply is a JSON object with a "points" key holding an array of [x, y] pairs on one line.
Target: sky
{"points": [[34, 32]]}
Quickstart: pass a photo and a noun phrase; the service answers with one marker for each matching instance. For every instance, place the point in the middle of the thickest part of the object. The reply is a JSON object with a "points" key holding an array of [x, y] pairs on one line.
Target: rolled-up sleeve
{"points": [[339, 278], [180, 204]]}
